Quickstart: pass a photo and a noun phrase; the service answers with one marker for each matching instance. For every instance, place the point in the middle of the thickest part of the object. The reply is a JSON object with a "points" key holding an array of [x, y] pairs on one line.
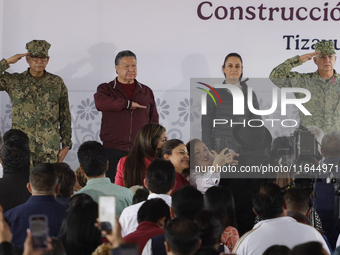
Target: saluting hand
{"points": [[15, 58], [308, 56]]}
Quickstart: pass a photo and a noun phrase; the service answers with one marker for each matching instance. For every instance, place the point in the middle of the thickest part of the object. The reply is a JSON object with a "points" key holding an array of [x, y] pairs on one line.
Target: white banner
{"points": [[173, 40]]}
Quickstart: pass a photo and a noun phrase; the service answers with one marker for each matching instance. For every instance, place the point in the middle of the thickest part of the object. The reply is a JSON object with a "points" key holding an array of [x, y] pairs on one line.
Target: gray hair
{"points": [[330, 144]]}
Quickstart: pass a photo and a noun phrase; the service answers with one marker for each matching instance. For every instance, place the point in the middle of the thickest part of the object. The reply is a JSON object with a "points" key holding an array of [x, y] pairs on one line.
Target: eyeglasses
{"points": [[329, 56], [43, 59]]}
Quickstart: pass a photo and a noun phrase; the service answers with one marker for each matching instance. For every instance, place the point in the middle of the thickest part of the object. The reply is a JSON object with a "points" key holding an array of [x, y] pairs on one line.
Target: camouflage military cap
{"points": [[326, 47], [38, 47]]}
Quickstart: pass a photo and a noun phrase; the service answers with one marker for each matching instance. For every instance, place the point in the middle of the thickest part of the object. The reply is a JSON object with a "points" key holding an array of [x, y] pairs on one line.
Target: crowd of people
{"points": [[176, 209]]}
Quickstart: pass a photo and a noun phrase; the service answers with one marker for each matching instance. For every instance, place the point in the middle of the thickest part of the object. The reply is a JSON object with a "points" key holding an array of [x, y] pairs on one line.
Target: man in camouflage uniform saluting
{"points": [[40, 106], [324, 86]]}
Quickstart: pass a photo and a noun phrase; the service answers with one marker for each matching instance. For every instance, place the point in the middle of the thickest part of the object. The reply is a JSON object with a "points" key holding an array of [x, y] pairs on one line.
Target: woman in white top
{"points": [[205, 165]]}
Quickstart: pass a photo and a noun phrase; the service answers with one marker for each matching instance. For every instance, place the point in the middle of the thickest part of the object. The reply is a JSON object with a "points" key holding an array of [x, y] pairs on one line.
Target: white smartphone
{"points": [[39, 228], [107, 212]]}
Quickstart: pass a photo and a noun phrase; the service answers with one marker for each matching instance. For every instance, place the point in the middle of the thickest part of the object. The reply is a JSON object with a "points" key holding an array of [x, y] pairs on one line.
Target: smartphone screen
{"points": [[39, 228], [107, 212]]}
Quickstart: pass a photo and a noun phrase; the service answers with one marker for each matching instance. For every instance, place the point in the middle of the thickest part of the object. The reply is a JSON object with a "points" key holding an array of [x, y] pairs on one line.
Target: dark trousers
{"points": [[113, 156]]}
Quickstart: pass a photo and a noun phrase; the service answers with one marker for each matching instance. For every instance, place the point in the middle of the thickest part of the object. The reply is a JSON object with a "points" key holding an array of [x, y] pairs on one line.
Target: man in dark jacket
{"points": [[43, 185], [126, 106]]}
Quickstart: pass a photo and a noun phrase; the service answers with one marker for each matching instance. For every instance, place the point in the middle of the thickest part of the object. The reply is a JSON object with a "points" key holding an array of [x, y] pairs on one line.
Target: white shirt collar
{"points": [[166, 198]]}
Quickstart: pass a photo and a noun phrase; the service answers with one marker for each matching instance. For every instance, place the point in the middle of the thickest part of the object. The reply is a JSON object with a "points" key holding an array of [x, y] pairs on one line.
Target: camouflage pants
{"points": [[36, 158]]}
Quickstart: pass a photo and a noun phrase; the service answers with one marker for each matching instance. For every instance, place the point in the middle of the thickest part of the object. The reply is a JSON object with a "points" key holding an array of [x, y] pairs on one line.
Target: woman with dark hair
{"points": [[176, 152], [78, 232], [204, 164], [220, 136], [140, 195], [131, 169], [220, 199], [79, 198]]}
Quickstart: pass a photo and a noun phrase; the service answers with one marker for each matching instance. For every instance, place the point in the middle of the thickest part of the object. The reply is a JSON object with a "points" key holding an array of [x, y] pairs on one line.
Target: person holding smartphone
{"points": [[43, 184], [6, 235], [204, 164]]}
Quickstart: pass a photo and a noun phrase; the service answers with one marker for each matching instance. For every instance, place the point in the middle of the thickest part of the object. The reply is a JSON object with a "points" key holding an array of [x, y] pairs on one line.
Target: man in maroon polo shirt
{"points": [[152, 216], [126, 106]]}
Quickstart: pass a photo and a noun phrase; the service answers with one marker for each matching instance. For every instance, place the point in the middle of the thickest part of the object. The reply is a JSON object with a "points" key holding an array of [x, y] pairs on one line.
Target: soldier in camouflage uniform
{"points": [[40, 106], [324, 86]]}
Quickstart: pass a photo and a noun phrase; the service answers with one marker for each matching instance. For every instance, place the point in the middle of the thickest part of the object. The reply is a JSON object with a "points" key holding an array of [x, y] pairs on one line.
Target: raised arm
{"points": [[308, 56], [281, 74], [5, 78]]}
